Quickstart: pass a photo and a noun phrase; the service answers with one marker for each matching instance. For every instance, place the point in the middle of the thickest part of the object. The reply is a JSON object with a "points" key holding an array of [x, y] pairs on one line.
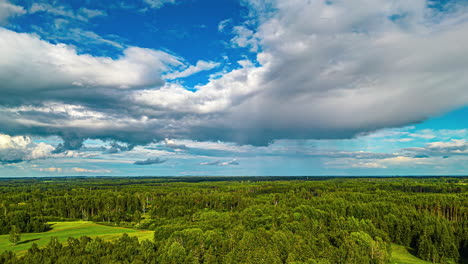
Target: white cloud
{"points": [[223, 24], [39, 65], [172, 144], [395, 162], [89, 36], [453, 144], [424, 134], [403, 160], [434, 155], [51, 169], [450, 133], [399, 139], [18, 149], [8, 10], [200, 66], [91, 13], [82, 14], [159, 3], [73, 170], [220, 163], [245, 38], [82, 170], [55, 10], [218, 96], [368, 165], [454, 147]]}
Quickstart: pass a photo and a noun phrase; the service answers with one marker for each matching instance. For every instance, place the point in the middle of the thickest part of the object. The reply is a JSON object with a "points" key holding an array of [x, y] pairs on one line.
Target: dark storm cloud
{"points": [[116, 148], [70, 143]]}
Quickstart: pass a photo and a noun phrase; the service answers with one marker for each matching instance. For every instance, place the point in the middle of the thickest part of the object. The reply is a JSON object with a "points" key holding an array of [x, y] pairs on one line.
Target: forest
{"points": [[242, 219]]}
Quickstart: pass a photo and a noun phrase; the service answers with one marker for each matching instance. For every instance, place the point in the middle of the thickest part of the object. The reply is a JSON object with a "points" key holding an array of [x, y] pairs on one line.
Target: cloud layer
{"points": [[323, 70]]}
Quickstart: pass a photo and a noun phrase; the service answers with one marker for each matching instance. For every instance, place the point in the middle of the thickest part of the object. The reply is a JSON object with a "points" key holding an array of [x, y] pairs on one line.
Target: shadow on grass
{"points": [[27, 241], [412, 251]]}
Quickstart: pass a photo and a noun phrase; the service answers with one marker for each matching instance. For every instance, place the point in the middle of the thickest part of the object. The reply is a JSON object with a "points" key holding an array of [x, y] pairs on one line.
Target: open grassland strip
{"points": [[401, 255], [76, 229]]}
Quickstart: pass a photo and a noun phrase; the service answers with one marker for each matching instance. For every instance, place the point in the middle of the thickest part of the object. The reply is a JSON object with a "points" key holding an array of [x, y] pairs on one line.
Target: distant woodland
{"points": [[243, 220]]}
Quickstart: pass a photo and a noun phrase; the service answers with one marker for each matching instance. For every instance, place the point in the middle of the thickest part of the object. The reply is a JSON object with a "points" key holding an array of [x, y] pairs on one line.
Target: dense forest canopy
{"points": [[242, 219]]}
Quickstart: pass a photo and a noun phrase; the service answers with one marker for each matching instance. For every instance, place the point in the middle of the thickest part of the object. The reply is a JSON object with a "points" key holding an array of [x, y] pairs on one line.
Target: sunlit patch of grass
{"points": [[76, 229], [401, 255]]}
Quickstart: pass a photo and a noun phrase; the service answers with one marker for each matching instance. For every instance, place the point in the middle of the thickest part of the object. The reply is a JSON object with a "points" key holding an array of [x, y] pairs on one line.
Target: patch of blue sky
{"points": [[456, 119]]}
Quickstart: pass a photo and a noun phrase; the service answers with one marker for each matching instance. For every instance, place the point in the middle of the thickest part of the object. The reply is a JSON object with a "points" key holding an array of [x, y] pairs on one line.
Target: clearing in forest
{"points": [[76, 229], [401, 255]]}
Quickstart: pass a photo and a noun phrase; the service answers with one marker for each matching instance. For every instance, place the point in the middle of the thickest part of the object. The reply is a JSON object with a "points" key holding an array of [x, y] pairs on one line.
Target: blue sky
{"points": [[233, 87]]}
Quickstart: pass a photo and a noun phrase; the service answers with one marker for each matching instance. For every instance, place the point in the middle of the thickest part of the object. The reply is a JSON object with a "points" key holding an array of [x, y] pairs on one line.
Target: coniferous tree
{"points": [[15, 235]]}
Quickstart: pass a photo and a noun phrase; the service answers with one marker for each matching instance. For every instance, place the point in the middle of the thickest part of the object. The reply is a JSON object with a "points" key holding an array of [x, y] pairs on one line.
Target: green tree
{"points": [[15, 235], [175, 254]]}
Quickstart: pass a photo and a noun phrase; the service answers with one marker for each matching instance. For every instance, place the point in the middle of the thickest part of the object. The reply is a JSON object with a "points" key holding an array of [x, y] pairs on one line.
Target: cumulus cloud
{"points": [[8, 10], [245, 38], [333, 70], [345, 71], [41, 66], [18, 149], [51, 85], [173, 145], [150, 161]]}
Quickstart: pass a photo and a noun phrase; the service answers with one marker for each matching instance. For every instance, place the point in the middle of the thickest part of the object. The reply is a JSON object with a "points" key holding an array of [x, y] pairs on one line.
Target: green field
{"points": [[401, 255], [76, 229]]}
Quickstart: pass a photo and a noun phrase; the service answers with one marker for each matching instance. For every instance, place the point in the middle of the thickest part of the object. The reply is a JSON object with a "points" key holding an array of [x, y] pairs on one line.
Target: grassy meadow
{"points": [[76, 229], [401, 255]]}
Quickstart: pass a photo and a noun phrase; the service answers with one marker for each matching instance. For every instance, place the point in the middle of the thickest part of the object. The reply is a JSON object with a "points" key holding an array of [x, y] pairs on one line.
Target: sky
{"points": [[233, 87]]}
